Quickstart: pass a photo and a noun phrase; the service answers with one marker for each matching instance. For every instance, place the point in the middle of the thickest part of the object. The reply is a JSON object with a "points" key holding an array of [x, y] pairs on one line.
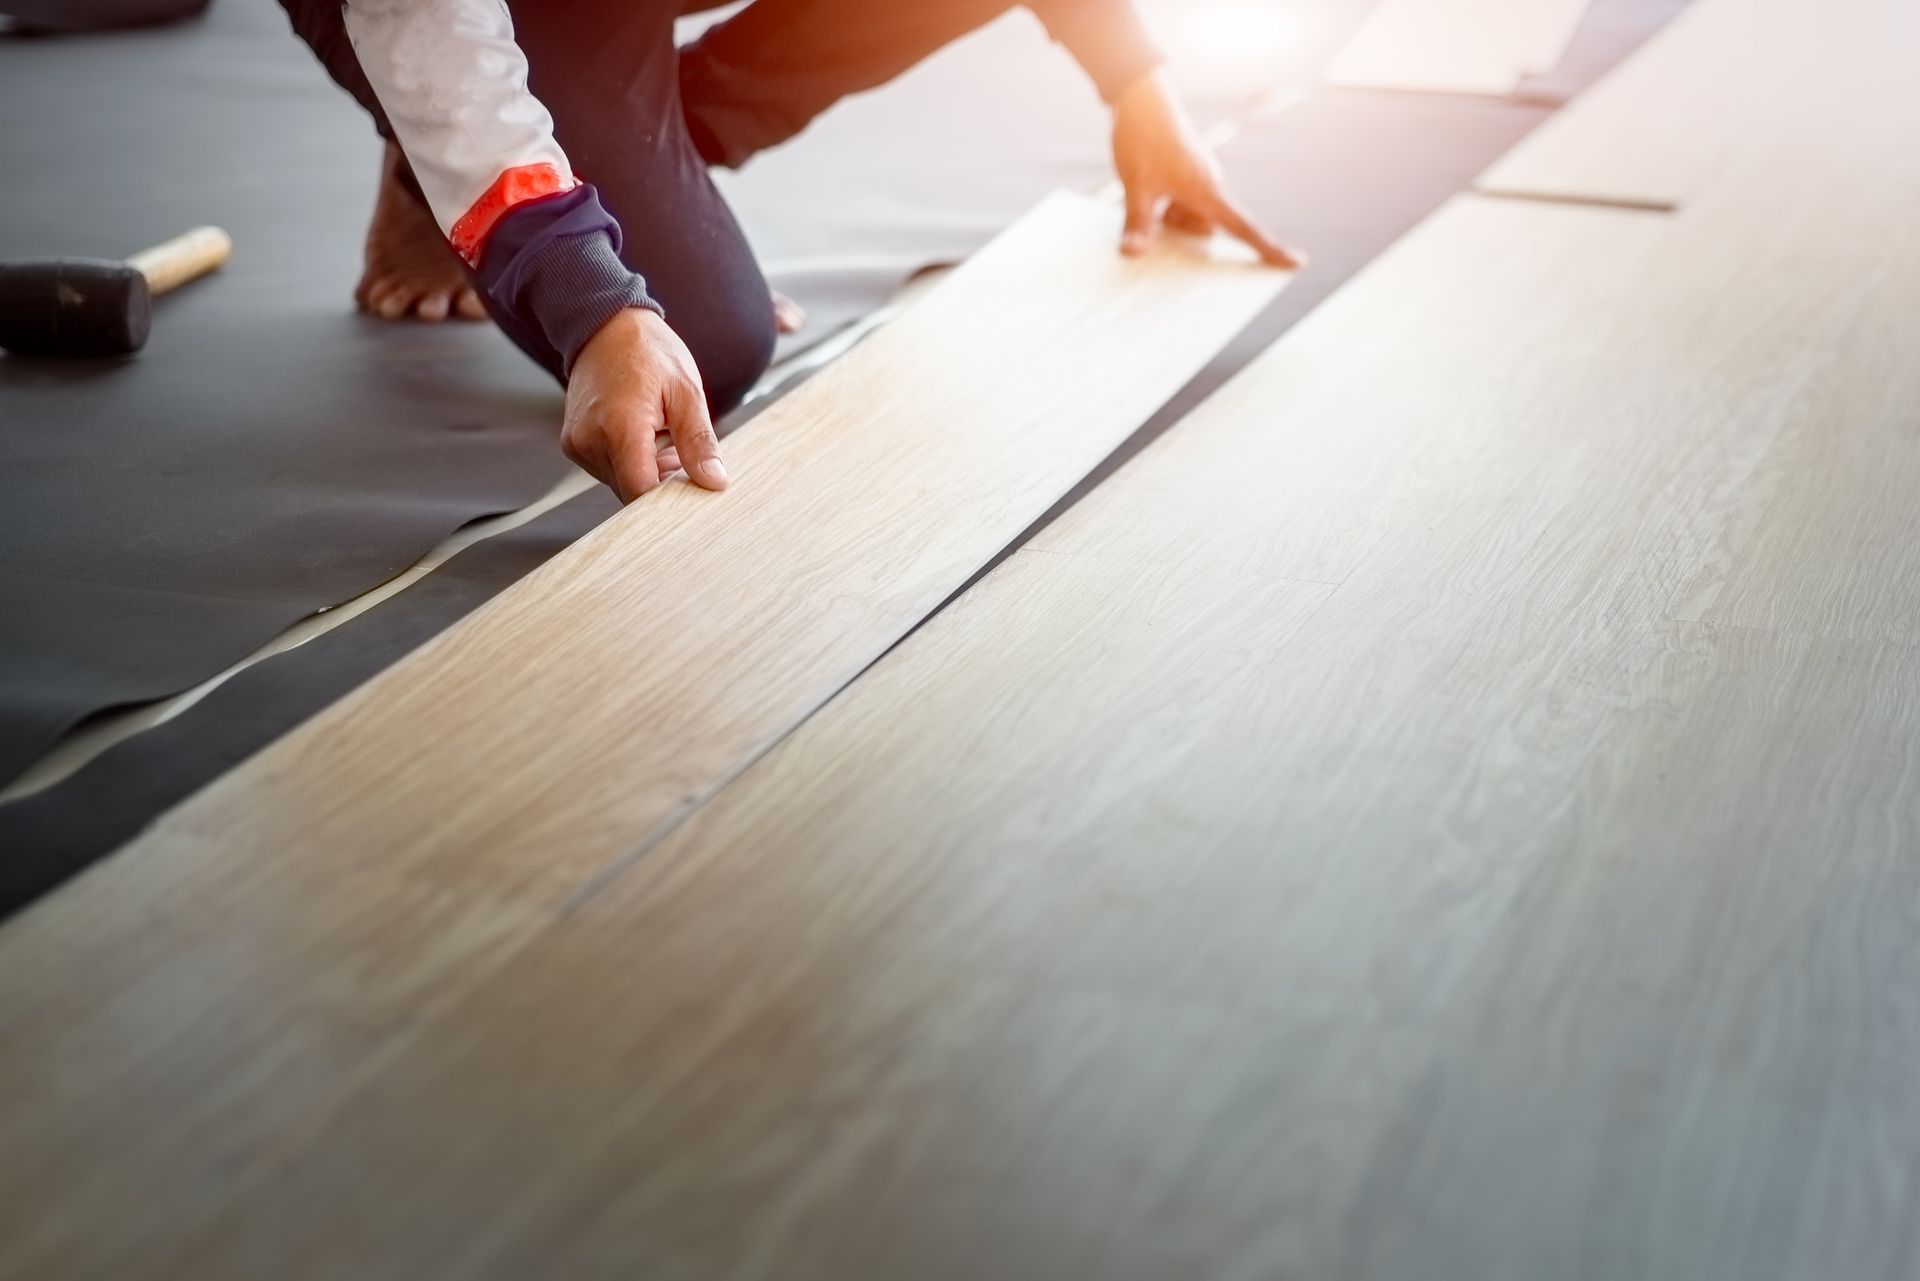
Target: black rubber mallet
{"points": [[94, 306]]}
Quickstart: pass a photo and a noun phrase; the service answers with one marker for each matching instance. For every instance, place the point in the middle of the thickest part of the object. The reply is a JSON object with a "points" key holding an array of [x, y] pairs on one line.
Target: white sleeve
{"points": [[454, 86]]}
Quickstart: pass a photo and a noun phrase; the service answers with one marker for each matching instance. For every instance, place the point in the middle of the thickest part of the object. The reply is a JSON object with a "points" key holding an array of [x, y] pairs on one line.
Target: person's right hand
{"points": [[636, 409]]}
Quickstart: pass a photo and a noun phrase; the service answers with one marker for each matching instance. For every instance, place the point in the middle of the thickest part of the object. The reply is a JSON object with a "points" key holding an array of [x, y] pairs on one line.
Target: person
{"points": [[562, 149]]}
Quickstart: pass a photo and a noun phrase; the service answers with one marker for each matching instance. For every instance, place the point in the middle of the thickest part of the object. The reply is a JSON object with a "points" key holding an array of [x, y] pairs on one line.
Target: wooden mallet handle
{"points": [[187, 256]]}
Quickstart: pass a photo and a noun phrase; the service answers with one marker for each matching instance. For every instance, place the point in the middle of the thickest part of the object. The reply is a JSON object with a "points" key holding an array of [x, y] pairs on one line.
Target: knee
{"points": [[732, 347]]}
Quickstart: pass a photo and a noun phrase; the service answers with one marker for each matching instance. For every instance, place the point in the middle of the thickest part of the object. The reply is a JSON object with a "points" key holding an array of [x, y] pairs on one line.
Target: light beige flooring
{"points": [[1450, 808], [1456, 46]]}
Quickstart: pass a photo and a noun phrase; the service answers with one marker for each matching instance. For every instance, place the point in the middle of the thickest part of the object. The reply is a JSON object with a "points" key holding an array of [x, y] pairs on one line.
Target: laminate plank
{"points": [[280, 917], [1689, 1053], [1113, 922], [1789, 127], [1557, 339], [253, 1010], [1820, 183], [1828, 546], [1296, 839], [537, 743], [1546, 30], [1754, 101], [706, 1109], [1133, 917], [1215, 876], [1469, 46]]}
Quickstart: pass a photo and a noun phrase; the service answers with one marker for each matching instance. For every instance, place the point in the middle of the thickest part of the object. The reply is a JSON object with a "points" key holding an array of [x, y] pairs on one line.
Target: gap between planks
{"points": [[815, 606], [99, 734]]}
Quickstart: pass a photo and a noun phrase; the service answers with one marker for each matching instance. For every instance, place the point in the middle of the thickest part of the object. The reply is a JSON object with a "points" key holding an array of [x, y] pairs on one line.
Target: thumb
{"points": [[694, 439]]}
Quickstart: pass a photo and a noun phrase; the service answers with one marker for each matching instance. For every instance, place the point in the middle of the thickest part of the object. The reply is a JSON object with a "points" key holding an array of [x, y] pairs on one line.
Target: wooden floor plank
{"points": [[1136, 888], [661, 653], [1709, 998], [308, 908], [1547, 30], [253, 1009], [1793, 124], [1366, 837], [1828, 546], [1560, 343], [1130, 917], [1309, 853], [1470, 46], [1756, 100]]}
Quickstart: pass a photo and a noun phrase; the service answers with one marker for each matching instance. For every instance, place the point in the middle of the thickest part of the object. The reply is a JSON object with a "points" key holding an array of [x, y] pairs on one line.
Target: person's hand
{"points": [[636, 410], [1169, 175]]}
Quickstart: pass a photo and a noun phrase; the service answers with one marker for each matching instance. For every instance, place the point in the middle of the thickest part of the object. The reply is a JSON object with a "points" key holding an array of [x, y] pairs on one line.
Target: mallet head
{"points": [[73, 307]]}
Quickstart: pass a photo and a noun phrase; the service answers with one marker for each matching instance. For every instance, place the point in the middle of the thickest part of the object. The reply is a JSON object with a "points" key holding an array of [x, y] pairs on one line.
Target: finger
{"points": [[1142, 206], [667, 454], [695, 444], [636, 465], [590, 458], [468, 306], [1187, 219], [1231, 216]]}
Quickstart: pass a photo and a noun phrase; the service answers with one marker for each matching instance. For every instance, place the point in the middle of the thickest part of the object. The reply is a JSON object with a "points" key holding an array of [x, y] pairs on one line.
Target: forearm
{"points": [[1106, 37], [453, 84]]}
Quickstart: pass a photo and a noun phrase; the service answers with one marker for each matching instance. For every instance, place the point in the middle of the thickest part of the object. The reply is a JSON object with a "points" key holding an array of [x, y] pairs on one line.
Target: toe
{"points": [[432, 307], [467, 305], [372, 288], [393, 301], [788, 316]]}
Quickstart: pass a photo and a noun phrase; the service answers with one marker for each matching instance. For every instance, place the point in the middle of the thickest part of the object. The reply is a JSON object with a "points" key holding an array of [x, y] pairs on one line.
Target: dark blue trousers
{"points": [[643, 120]]}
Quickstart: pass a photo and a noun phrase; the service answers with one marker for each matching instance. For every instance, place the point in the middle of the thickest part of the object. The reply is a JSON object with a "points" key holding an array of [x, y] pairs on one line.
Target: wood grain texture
{"points": [[661, 653], [1689, 1051], [1144, 916], [1750, 101], [1160, 910], [1722, 109], [1226, 874], [420, 826], [1462, 46], [1446, 809], [167, 1041], [1826, 545]]}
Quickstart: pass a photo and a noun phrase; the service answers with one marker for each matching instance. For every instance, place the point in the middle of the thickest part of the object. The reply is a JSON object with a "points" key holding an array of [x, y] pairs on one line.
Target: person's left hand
{"points": [[1170, 176]]}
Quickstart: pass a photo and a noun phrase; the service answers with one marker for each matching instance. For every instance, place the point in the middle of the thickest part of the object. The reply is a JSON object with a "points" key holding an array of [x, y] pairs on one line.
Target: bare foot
{"points": [[410, 269], [788, 315]]}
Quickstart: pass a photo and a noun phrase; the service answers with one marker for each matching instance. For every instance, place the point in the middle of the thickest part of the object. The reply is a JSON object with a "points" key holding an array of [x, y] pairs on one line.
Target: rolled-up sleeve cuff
{"points": [[554, 265], [1106, 37]]}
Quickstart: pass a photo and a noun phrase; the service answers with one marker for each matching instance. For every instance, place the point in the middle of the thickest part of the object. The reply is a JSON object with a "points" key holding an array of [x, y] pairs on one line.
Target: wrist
{"points": [[1106, 37], [1151, 89], [577, 288], [555, 265], [628, 324]]}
